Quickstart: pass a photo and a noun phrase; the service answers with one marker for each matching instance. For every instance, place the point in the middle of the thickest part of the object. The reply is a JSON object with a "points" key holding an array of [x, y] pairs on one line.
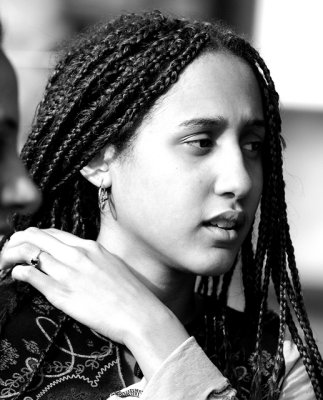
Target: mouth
{"points": [[227, 225]]}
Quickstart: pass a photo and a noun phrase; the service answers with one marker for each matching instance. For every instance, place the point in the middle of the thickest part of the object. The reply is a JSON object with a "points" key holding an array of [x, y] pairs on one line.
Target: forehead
{"points": [[215, 84]]}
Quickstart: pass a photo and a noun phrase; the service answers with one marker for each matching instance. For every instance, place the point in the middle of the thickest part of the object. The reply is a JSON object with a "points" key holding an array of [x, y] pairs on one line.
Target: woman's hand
{"points": [[81, 278]]}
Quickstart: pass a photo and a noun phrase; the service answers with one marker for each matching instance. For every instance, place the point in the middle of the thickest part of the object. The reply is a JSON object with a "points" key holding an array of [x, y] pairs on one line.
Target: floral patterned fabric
{"points": [[45, 356], [42, 361], [236, 354]]}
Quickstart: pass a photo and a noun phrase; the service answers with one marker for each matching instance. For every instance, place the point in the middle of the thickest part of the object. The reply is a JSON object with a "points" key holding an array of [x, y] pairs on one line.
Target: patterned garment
{"points": [[44, 358], [236, 354], [45, 362]]}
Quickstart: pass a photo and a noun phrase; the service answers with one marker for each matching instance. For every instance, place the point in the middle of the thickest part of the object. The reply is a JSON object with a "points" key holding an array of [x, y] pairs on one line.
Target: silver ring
{"points": [[35, 261]]}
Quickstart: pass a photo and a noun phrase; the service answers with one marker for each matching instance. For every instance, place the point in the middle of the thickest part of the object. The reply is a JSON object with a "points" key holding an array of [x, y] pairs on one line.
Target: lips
{"points": [[224, 225], [227, 224]]}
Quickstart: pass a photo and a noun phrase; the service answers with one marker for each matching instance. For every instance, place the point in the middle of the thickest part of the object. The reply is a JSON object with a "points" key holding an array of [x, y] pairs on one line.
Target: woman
{"points": [[175, 127]]}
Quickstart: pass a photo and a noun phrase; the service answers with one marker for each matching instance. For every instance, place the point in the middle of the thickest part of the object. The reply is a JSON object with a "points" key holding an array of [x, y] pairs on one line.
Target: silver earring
{"points": [[103, 197]]}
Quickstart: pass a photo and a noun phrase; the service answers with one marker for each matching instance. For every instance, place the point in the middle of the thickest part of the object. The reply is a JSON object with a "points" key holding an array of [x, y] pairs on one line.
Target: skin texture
{"points": [[17, 192], [174, 179], [177, 177]]}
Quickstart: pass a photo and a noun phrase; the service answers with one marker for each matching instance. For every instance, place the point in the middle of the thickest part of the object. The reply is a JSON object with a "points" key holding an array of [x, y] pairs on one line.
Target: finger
{"points": [[34, 236], [26, 252], [21, 254], [46, 242], [42, 282], [67, 238], [54, 268]]}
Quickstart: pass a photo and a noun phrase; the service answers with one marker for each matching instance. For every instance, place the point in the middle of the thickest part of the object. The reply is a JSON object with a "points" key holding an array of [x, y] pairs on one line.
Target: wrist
{"points": [[155, 339]]}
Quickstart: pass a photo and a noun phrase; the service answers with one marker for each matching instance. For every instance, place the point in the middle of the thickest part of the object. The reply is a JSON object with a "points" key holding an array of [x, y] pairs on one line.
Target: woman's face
{"points": [[187, 193]]}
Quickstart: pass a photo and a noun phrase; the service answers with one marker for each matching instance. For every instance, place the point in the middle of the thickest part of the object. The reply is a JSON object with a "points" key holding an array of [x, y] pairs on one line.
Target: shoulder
{"points": [[296, 382]]}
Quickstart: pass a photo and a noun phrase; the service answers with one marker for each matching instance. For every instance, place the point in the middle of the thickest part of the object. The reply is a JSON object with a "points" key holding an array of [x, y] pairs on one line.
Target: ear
{"points": [[97, 171]]}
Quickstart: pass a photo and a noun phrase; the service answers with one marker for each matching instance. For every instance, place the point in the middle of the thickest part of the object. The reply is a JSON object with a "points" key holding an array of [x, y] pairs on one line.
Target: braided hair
{"points": [[99, 93]]}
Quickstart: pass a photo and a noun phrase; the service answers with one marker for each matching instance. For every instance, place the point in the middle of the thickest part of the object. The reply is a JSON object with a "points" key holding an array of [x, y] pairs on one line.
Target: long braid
{"points": [[317, 385], [275, 194], [277, 242], [265, 256], [303, 321], [257, 378], [314, 355], [120, 101], [248, 274], [69, 101], [303, 350], [225, 345], [279, 358], [165, 80], [299, 303]]}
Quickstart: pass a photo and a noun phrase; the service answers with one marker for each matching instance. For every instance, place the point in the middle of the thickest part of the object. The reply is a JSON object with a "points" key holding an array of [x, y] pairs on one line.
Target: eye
{"points": [[253, 148], [201, 142]]}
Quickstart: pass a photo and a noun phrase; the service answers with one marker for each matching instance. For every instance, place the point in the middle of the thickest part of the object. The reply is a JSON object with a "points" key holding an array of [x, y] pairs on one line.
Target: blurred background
{"points": [[288, 34]]}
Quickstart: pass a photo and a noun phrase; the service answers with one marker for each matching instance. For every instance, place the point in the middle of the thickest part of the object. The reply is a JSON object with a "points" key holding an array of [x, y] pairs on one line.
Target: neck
{"points": [[174, 288]]}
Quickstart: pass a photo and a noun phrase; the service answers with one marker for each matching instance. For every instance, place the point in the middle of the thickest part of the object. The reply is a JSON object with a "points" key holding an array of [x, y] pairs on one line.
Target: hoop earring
{"points": [[105, 196]]}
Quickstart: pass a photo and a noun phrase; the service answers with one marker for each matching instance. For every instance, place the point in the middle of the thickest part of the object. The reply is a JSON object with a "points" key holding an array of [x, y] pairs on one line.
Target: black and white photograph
{"points": [[161, 199]]}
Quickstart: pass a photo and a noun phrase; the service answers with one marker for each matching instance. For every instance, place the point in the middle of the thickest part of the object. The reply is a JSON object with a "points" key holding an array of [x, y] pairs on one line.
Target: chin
{"points": [[216, 270], [217, 264]]}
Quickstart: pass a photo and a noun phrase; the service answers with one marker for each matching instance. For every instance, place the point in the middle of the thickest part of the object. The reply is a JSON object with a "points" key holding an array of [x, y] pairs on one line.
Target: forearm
{"points": [[152, 342], [186, 373]]}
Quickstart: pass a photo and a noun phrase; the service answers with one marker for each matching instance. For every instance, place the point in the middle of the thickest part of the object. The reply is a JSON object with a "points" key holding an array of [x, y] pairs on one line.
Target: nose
{"points": [[17, 192], [233, 179]]}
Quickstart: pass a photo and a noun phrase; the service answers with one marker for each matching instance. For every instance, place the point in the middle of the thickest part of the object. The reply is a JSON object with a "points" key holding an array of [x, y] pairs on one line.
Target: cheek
{"points": [[257, 191], [150, 195], [160, 197]]}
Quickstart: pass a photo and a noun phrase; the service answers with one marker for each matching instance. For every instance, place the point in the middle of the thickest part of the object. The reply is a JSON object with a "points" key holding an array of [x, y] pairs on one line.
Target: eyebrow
{"points": [[195, 122], [220, 122]]}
